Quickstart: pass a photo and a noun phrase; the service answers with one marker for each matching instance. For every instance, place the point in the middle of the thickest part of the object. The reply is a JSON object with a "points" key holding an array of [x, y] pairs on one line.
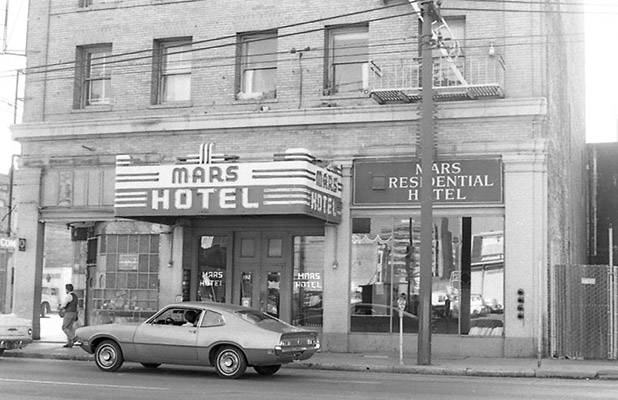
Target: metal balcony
{"points": [[400, 82]]}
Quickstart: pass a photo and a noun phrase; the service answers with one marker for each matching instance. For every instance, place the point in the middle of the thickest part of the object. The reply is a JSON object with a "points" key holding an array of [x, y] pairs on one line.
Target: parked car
{"points": [[477, 306], [15, 332], [49, 300], [225, 336]]}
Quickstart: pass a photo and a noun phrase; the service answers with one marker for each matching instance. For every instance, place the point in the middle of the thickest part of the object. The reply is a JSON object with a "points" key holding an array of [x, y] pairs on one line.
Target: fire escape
{"points": [[456, 77]]}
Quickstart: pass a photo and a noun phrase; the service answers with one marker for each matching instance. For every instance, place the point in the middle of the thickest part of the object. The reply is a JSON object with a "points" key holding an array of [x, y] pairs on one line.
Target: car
{"points": [[15, 332], [477, 306], [225, 336], [49, 300]]}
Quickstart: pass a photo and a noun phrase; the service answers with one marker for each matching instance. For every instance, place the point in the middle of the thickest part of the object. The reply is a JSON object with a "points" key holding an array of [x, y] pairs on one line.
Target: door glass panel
{"points": [[246, 289], [212, 264], [247, 247], [273, 284], [275, 246], [307, 285]]}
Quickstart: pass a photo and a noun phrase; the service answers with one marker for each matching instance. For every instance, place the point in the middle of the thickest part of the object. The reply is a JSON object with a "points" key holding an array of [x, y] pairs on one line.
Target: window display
{"points": [[307, 283], [467, 270]]}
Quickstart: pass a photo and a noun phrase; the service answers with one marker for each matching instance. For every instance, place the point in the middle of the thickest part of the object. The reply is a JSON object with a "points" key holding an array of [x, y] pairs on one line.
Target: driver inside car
{"points": [[191, 317]]}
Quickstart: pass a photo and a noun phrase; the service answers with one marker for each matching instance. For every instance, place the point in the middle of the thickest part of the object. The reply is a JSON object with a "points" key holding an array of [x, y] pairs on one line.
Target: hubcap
{"points": [[107, 356], [228, 362]]}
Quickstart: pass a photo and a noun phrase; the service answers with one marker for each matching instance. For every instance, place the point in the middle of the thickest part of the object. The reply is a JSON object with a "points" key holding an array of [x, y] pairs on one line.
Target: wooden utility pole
{"points": [[427, 148]]}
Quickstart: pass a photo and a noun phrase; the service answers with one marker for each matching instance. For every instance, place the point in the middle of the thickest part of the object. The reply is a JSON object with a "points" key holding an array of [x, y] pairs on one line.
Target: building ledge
{"points": [[164, 124]]}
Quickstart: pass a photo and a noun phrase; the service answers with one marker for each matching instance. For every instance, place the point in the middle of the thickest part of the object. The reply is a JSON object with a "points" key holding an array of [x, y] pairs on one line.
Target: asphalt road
{"points": [[22, 378]]}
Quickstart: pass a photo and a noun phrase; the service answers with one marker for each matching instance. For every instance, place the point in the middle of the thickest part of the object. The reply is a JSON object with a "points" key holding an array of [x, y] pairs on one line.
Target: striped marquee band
{"points": [[294, 184]]}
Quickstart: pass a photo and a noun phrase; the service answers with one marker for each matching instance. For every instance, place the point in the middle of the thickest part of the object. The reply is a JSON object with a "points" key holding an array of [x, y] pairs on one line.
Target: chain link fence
{"points": [[583, 311]]}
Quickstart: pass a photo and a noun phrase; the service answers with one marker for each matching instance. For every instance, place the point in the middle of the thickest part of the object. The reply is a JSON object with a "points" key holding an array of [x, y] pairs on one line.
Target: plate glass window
{"points": [[348, 59], [258, 66]]}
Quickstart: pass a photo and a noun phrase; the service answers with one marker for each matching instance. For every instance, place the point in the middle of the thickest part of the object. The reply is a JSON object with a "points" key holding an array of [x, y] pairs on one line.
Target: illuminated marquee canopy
{"points": [[196, 186]]}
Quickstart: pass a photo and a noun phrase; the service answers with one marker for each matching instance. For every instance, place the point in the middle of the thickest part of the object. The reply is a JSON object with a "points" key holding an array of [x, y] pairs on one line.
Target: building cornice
{"points": [[533, 108]]}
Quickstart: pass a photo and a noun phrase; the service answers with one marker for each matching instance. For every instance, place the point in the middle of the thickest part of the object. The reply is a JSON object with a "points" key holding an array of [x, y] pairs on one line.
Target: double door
{"points": [[263, 272]]}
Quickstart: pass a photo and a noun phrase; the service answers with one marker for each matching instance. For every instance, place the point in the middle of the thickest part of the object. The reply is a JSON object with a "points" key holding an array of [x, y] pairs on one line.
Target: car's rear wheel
{"points": [[151, 365], [108, 356], [267, 369], [230, 362]]}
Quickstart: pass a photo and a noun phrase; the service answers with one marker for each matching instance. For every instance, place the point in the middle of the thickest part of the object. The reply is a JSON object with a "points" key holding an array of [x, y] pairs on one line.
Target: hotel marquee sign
{"points": [[398, 182], [294, 184]]}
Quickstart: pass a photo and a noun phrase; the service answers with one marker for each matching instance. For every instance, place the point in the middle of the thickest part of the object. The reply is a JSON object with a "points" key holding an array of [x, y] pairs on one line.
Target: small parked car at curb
{"points": [[15, 332], [225, 336]]}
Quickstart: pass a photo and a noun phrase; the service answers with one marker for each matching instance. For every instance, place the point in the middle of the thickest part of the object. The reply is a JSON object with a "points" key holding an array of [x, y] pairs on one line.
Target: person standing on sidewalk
{"points": [[68, 308]]}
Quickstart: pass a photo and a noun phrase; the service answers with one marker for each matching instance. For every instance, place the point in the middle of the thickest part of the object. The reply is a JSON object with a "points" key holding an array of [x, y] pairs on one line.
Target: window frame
{"points": [[83, 74], [159, 66], [242, 41], [329, 56]]}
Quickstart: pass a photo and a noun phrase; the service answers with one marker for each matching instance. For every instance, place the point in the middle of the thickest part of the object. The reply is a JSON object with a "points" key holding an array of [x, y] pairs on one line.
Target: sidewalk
{"points": [[372, 362]]}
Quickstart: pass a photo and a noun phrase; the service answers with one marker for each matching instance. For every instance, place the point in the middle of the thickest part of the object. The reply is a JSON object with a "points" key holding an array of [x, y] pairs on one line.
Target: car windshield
{"points": [[261, 319]]}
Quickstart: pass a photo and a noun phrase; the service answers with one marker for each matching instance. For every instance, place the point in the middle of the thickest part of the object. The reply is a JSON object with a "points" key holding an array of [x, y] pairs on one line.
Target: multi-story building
{"points": [[265, 153]]}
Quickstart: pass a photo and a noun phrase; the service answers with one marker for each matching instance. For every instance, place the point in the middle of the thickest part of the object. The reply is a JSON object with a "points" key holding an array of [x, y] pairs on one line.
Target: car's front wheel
{"points": [[151, 365], [230, 362], [108, 356], [267, 369]]}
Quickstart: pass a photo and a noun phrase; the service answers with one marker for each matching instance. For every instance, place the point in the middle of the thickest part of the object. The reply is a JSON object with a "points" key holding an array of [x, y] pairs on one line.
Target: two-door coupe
{"points": [[15, 332], [225, 336]]}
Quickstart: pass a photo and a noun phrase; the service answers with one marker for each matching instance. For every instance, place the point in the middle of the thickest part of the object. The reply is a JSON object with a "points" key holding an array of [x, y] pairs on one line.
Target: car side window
{"points": [[212, 319], [171, 316]]}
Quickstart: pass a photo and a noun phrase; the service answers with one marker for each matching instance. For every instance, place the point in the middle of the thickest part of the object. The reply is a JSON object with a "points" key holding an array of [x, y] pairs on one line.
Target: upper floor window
{"points": [[257, 75], [93, 75], [347, 68], [171, 70]]}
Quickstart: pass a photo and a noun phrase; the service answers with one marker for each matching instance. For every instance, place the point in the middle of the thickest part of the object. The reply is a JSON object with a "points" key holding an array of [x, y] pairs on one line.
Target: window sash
{"points": [[258, 64], [348, 54], [174, 70], [96, 84]]}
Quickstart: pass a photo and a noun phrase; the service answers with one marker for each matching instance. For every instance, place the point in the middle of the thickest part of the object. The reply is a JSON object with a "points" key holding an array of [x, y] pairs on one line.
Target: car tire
{"points": [[230, 362], [266, 370], [108, 356], [151, 365]]}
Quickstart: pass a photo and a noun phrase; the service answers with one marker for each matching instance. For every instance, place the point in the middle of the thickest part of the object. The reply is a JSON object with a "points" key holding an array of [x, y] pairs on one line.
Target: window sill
{"points": [[256, 101], [179, 104], [346, 96], [95, 108]]}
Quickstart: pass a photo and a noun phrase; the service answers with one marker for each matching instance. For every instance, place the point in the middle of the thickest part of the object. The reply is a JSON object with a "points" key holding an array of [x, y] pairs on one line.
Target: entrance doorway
{"points": [[263, 272]]}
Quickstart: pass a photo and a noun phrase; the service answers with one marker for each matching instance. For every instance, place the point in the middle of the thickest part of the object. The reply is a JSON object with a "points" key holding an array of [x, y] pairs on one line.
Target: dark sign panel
{"points": [[399, 182]]}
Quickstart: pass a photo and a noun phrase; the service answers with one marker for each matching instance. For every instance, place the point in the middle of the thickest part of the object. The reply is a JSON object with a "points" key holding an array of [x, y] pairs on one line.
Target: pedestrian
{"points": [[68, 308]]}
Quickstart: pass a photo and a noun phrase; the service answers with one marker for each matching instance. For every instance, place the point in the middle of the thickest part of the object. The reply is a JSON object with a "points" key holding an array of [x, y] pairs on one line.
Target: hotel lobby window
{"points": [[308, 281], [467, 274]]}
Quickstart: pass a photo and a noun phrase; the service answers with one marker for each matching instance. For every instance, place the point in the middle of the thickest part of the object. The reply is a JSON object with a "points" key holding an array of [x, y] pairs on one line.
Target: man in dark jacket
{"points": [[69, 307]]}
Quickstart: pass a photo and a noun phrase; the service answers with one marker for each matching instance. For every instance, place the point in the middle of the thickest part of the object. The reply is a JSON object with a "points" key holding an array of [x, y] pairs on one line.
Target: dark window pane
{"points": [[123, 244], [131, 280], [247, 247], [103, 240], [275, 247], [112, 262], [154, 263], [154, 244], [153, 281], [110, 281], [121, 280], [112, 244], [133, 243], [144, 243], [142, 281], [143, 263]]}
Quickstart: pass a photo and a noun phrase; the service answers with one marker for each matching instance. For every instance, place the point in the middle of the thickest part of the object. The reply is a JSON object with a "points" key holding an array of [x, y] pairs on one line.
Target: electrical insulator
{"points": [[520, 303]]}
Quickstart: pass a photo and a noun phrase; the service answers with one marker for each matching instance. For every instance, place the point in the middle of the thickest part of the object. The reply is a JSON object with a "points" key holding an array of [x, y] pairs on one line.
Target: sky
{"points": [[601, 77]]}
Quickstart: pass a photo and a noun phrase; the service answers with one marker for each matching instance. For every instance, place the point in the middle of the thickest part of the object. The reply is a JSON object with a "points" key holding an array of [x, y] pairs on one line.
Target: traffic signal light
{"points": [[520, 303]]}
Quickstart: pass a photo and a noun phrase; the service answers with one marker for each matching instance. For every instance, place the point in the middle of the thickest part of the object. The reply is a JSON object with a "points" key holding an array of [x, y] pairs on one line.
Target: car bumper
{"points": [[279, 356], [10, 344]]}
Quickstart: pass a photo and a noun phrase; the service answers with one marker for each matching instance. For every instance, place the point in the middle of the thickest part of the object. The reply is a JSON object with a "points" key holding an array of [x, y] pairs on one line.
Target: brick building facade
{"points": [[155, 80]]}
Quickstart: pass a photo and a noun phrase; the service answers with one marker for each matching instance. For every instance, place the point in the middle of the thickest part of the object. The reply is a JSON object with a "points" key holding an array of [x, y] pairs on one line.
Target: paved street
{"points": [[22, 378]]}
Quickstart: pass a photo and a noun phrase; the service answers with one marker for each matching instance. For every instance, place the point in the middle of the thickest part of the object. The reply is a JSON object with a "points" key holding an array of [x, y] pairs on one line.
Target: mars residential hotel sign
{"points": [[398, 182], [213, 184]]}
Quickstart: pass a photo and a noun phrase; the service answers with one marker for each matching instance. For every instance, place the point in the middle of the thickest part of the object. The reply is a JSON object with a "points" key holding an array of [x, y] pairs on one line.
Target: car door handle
{"points": [[192, 330]]}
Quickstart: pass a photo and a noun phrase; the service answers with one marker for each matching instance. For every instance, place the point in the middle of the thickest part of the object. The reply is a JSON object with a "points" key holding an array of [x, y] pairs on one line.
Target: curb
{"points": [[398, 369]]}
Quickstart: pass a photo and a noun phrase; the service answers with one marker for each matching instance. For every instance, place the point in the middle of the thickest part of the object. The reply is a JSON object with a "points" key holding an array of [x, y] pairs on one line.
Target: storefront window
{"points": [[212, 264], [126, 279], [468, 264], [307, 286]]}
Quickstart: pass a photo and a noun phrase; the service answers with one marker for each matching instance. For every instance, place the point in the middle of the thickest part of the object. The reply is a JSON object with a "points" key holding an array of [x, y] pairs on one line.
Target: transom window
{"points": [[347, 59], [257, 76]]}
